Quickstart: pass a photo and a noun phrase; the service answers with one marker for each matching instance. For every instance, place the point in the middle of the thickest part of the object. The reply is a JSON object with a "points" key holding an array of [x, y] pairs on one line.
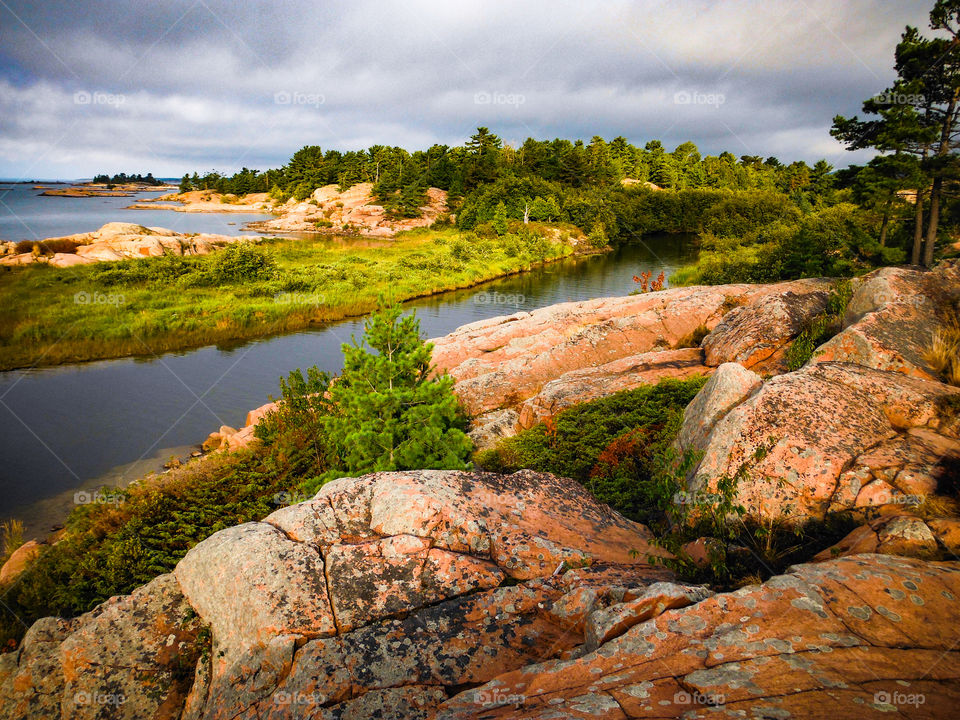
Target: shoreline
{"points": [[289, 324], [196, 208], [44, 518], [55, 510]]}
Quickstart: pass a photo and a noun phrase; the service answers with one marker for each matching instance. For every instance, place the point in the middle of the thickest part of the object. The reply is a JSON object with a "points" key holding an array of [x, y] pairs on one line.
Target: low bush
{"points": [[610, 445]]}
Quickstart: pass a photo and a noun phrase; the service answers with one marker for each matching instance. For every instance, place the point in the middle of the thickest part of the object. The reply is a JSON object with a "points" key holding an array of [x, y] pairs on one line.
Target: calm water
{"points": [[79, 426], [27, 215]]}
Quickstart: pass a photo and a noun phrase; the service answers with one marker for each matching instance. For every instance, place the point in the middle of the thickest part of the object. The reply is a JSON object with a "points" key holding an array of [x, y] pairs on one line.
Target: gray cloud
{"points": [[177, 86]]}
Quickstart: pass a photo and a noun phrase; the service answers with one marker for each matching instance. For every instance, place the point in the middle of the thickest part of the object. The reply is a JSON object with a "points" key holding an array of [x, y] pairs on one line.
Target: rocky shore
{"points": [[443, 594], [119, 241], [207, 201], [327, 210]]}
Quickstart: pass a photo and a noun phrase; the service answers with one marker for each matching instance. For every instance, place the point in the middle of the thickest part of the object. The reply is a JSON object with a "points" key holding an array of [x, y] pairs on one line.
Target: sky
{"points": [[180, 86]]}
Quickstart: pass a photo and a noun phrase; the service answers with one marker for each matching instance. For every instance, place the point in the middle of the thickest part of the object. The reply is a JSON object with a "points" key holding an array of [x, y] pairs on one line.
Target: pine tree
{"points": [[391, 414]]}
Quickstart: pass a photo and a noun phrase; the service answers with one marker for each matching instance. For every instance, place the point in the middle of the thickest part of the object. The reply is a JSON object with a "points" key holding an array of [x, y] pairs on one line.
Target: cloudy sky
{"points": [[175, 85]]}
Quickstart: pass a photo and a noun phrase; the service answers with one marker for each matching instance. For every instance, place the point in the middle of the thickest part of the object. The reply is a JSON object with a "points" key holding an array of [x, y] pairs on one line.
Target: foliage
{"points": [[124, 179], [391, 414], [821, 328], [943, 352], [242, 262], [11, 537], [47, 247], [835, 241], [916, 122], [598, 236], [645, 285], [609, 445], [295, 428]]}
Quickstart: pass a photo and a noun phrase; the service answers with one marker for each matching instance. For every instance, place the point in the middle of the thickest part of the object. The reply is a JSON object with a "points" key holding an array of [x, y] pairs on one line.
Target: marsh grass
{"points": [[150, 306], [11, 537], [943, 351]]}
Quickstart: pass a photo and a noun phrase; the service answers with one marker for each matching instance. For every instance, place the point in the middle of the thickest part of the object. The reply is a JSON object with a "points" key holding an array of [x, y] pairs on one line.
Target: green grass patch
{"points": [[144, 307]]}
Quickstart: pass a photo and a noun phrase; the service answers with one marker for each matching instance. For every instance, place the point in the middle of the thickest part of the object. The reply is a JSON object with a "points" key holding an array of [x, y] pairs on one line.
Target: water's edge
{"points": [[73, 427]]}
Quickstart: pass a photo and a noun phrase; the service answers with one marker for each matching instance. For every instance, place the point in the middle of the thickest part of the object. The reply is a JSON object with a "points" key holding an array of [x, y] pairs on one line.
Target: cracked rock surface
{"points": [[450, 594], [862, 425], [868, 636]]}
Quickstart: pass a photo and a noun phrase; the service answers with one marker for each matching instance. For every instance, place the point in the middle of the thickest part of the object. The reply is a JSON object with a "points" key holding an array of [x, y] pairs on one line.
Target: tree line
{"points": [[124, 179], [895, 207]]}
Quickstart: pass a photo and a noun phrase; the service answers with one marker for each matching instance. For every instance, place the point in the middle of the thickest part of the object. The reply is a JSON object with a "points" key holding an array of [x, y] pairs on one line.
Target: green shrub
{"points": [[241, 262], [609, 445], [389, 413]]}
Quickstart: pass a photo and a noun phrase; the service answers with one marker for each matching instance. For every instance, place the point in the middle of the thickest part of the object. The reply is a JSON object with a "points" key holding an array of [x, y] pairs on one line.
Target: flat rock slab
{"points": [[501, 362]]}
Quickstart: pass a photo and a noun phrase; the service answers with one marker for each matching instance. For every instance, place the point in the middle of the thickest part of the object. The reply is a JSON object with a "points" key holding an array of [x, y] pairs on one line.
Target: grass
{"points": [[145, 307], [11, 537], [943, 352]]}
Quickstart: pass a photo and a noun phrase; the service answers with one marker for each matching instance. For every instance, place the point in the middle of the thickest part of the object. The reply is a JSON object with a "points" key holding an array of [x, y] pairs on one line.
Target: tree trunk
{"points": [[945, 134], [932, 223], [886, 221], [917, 230]]}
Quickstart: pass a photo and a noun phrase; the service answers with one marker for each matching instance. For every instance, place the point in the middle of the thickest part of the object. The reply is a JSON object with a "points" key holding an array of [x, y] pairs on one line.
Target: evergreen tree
{"points": [[919, 115], [499, 221], [391, 414]]}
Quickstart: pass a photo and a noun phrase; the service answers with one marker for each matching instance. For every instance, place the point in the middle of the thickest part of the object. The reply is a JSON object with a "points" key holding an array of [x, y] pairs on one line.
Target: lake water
{"points": [[77, 427], [27, 215]]}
